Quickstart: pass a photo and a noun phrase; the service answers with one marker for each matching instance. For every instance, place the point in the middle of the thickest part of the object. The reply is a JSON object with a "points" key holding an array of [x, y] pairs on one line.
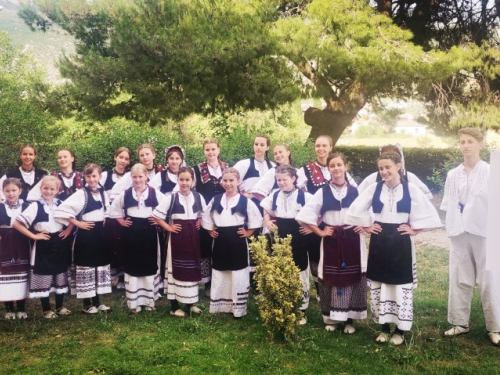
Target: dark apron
{"points": [[185, 251], [300, 243], [230, 252], [52, 256], [115, 232], [341, 257], [140, 248], [389, 258], [92, 247], [206, 243], [14, 251], [315, 245]]}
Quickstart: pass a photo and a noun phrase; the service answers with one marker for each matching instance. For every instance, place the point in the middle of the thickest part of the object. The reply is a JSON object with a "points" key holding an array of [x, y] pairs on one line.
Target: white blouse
{"points": [[310, 213], [186, 201], [422, 215], [12, 213], [243, 165], [155, 182], [265, 184], [227, 219], [140, 211], [286, 204], [73, 206], [371, 179], [29, 214]]}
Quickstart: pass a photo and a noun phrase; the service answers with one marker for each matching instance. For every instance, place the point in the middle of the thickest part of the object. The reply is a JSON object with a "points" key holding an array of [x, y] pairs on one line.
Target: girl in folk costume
{"points": [[26, 173], [141, 248], [86, 210], [14, 252], [113, 228], [50, 255], [254, 168], [71, 181], [166, 180], [465, 201], [147, 155], [231, 218], [400, 210], [407, 176], [207, 182], [267, 183], [180, 214], [284, 205], [109, 178], [342, 263], [313, 176]]}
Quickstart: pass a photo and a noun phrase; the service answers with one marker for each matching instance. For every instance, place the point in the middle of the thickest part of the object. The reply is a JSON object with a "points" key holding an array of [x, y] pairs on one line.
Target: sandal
{"points": [[494, 338], [383, 337], [90, 310], [149, 308], [63, 311], [178, 313], [457, 331], [397, 339], [195, 310], [349, 329], [331, 327], [137, 310], [50, 314]]}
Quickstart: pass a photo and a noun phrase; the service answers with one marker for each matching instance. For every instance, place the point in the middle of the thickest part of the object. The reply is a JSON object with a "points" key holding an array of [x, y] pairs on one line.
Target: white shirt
{"points": [[422, 214], [472, 192], [186, 201], [286, 204], [310, 213], [156, 181], [227, 219], [29, 214], [244, 165], [265, 184], [73, 206], [140, 211], [12, 213], [411, 178]]}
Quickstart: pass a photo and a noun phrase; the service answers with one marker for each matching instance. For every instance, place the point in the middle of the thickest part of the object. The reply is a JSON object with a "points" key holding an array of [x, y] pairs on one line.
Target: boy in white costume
{"points": [[466, 204]]}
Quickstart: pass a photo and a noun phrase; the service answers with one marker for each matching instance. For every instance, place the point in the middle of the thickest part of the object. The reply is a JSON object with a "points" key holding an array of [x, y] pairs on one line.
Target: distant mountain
{"points": [[46, 46]]}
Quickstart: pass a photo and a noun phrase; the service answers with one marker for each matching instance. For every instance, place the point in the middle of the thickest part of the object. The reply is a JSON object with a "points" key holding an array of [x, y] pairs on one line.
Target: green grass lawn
{"points": [[155, 343]]}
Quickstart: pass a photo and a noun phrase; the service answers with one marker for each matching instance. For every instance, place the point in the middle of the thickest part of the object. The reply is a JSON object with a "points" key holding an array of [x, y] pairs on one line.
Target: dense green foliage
{"points": [[23, 118]]}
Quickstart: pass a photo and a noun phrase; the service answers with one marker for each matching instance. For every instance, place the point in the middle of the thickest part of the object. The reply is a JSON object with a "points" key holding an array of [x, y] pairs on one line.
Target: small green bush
{"points": [[280, 287]]}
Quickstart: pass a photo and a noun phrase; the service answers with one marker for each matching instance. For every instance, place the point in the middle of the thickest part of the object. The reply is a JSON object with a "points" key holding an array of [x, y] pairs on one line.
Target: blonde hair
{"points": [[210, 141], [50, 179], [146, 145], [281, 144], [232, 171], [139, 168], [473, 132]]}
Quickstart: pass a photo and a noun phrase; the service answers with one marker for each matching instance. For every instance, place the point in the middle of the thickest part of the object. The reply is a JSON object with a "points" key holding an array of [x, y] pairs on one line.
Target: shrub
{"points": [[280, 287]]}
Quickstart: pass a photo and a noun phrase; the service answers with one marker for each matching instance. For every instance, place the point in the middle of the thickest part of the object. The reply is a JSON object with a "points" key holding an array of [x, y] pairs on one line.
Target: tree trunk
{"points": [[328, 122]]}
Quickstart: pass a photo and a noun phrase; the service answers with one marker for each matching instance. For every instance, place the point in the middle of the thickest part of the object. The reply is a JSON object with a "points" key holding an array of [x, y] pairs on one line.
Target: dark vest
{"points": [[241, 206], [177, 208], [206, 184], [301, 199], [129, 200], [90, 203], [330, 203], [404, 205], [5, 219], [16, 173], [41, 215], [109, 183], [252, 171], [315, 178], [64, 191], [166, 184]]}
